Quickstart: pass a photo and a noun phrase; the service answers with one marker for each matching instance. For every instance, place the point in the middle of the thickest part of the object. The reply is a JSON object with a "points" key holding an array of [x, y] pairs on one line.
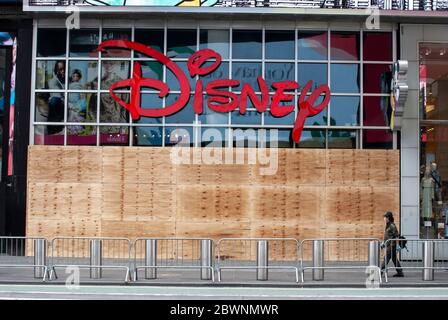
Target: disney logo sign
{"points": [[220, 99]]}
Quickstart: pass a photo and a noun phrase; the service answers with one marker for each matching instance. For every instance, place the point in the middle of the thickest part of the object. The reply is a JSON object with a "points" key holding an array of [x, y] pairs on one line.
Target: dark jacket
{"points": [[391, 232]]}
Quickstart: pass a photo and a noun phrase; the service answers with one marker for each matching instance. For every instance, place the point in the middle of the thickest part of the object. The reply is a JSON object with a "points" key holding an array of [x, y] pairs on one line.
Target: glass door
{"points": [[433, 140]]}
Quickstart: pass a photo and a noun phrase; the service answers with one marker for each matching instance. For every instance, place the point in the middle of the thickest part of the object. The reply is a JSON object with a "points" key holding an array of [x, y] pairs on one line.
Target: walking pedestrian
{"points": [[391, 232]]}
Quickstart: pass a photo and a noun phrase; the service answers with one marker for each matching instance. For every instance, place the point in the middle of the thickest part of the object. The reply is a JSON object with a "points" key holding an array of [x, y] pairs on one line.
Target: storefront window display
{"points": [[72, 104], [434, 139]]}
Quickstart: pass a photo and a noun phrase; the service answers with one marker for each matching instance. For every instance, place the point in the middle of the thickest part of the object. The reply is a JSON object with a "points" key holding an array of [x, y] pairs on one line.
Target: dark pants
{"points": [[391, 253]]}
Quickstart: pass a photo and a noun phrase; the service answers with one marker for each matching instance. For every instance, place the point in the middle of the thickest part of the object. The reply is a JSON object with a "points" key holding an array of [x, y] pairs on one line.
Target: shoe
{"points": [[398, 275]]}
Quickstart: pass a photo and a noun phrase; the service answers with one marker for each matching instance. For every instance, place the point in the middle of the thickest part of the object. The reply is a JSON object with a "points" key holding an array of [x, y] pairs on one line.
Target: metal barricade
{"points": [[260, 254], [93, 253], [151, 254], [339, 253], [421, 255], [24, 252]]}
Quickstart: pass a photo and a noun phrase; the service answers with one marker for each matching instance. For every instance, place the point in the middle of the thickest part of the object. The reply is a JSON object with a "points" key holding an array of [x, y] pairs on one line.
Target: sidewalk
{"points": [[178, 293], [231, 278]]}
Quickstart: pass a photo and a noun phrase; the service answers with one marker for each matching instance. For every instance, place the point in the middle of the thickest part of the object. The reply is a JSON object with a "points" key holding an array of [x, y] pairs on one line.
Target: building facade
{"points": [[98, 165]]}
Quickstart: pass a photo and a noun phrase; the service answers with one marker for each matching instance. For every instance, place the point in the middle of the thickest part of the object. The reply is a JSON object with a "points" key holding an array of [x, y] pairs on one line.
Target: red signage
{"points": [[220, 98]]}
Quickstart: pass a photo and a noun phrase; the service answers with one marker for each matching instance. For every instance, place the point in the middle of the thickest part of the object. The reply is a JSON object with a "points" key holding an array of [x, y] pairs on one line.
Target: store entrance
{"points": [[433, 140], [5, 84]]}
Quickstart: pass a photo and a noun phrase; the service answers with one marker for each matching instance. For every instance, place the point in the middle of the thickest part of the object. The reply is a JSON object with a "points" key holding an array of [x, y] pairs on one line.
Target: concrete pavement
{"points": [[86, 292]]}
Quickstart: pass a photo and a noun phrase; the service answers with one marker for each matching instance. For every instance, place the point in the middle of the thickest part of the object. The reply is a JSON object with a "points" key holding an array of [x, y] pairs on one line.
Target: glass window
{"points": [[81, 135], [433, 66], [275, 72], [279, 44], [50, 74], [82, 75], [377, 139], [116, 34], [181, 43], [150, 37], [344, 111], [377, 111], [377, 46], [214, 137], [317, 72], [48, 135], [250, 117], [148, 136], [245, 138], [222, 72], [151, 69], [246, 44], [312, 45], [113, 71], [182, 136], [433, 81], [289, 119], [49, 107], [278, 138], [118, 136], [150, 101], [210, 116], [111, 111], [217, 40], [344, 78], [71, 84], [84, 42], [377, 78], [51, 42], [342, 139], [312, 139], [320, 119], [246, 72], [173, 82], [344, 45], [185, 116], [78, 107]]}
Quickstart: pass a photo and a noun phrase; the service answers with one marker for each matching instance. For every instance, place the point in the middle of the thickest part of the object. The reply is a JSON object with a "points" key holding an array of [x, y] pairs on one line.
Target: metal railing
{"points": [[24, 252], [339, 253], [91, 253], [260, 254], [151, 254], [427, 255]]}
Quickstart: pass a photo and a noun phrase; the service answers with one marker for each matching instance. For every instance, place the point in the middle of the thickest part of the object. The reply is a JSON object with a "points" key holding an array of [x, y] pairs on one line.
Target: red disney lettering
{"points": [[248, 92], [220, 98], [137, 82], [306, 107], [276, 109]]}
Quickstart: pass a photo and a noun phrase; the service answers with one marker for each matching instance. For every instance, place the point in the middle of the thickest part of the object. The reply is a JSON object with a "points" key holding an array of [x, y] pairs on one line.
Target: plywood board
{"points": [[140, 192]]}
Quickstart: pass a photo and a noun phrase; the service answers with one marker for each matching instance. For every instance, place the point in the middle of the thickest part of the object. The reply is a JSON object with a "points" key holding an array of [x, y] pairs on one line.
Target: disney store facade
{"points": [[322, 93]]}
